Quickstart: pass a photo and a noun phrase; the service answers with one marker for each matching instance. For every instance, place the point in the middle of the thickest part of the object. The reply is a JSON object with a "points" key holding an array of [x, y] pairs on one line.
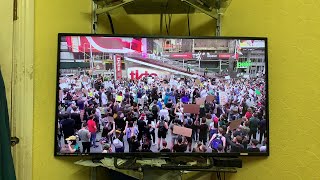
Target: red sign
{"points": [[224, 56], [181, 55], [101, 44], [136, 75], [228, 56], [118, 67]]}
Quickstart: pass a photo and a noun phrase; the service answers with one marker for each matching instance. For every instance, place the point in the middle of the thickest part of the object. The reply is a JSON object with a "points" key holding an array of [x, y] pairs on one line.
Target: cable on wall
{"points": [[111, 23], [161, 22], [188, 15], [219, 176], [165, 17], [170, 18]]}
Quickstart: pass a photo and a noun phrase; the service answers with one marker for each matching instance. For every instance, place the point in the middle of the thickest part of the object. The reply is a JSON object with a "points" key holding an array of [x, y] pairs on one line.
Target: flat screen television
{"points": [[149, 96]]}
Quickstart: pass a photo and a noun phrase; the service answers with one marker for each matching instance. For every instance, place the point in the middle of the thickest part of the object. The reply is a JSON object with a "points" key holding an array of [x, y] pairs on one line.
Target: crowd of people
{"points": [[102, 115]]}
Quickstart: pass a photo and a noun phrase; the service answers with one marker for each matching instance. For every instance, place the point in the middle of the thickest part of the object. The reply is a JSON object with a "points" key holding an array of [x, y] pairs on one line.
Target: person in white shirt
{"points": [[163, 93], [203, 93], [179, 110], [165, 113], [104, 99], [152, 129], [144, 99]]}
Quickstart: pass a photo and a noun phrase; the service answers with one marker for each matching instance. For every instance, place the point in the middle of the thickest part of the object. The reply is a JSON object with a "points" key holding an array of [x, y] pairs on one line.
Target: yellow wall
{"points": [[70, 16], [292, 27], [51, 18], [6, 33]]}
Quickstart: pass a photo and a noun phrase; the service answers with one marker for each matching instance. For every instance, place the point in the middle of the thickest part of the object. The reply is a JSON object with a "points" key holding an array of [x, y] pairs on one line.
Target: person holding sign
{"points": [[173, 135], [235, 143]]}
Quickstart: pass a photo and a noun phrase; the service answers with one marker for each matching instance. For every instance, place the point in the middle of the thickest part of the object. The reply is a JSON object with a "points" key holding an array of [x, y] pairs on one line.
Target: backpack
{"points": [[161, 126], [216, 142], [117, 143]]}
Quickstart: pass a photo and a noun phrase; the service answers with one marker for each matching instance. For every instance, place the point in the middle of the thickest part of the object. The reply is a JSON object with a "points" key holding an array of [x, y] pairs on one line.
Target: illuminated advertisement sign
{"points": [[118, 67], [243, 64], [252, 43], [200, 56]]}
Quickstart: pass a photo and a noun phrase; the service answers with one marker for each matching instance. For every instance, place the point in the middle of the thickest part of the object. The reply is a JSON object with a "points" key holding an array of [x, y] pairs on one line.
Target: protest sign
{"points": [[210, 98], [183, 131], [258, 93], [119, 98], [223, 98], [198, 82], [200, 101], [191, 108], [235, 124]]}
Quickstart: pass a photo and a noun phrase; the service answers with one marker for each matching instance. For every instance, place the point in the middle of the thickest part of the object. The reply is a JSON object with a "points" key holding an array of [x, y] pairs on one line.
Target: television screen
{"points": [[161, 96]]}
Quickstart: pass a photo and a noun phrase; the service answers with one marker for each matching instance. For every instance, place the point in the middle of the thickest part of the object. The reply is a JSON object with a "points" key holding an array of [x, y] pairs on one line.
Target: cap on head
{"points": [[106, 146], [71, 138]]}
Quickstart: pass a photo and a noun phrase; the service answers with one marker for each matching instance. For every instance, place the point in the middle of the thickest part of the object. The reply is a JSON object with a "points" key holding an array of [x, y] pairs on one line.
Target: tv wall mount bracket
{"points": [[173, 168], [212, 8]]}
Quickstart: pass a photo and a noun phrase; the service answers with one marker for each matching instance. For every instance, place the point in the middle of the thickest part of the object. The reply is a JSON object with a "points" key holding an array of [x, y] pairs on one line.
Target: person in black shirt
{"points": [[135, 144], [146, 148], [203, 133], [189, 139], [77, 120], [236, 146], [262, 128], [87, 112], [238, 132], [196, 94], [154, 94], [181, 146], [169, 105], [195, 127], [253, 125], [141, 127], [254, 147], [164, 147], [67, 125], [120, 122]]}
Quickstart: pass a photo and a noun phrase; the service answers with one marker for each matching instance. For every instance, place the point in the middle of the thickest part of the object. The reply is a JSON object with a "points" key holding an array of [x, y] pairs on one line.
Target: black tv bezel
{"points": [[159, 154]]}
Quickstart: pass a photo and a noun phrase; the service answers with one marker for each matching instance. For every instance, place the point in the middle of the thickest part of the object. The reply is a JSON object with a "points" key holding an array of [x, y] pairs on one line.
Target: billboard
{"points": [[118, 68], [252, 43]]}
